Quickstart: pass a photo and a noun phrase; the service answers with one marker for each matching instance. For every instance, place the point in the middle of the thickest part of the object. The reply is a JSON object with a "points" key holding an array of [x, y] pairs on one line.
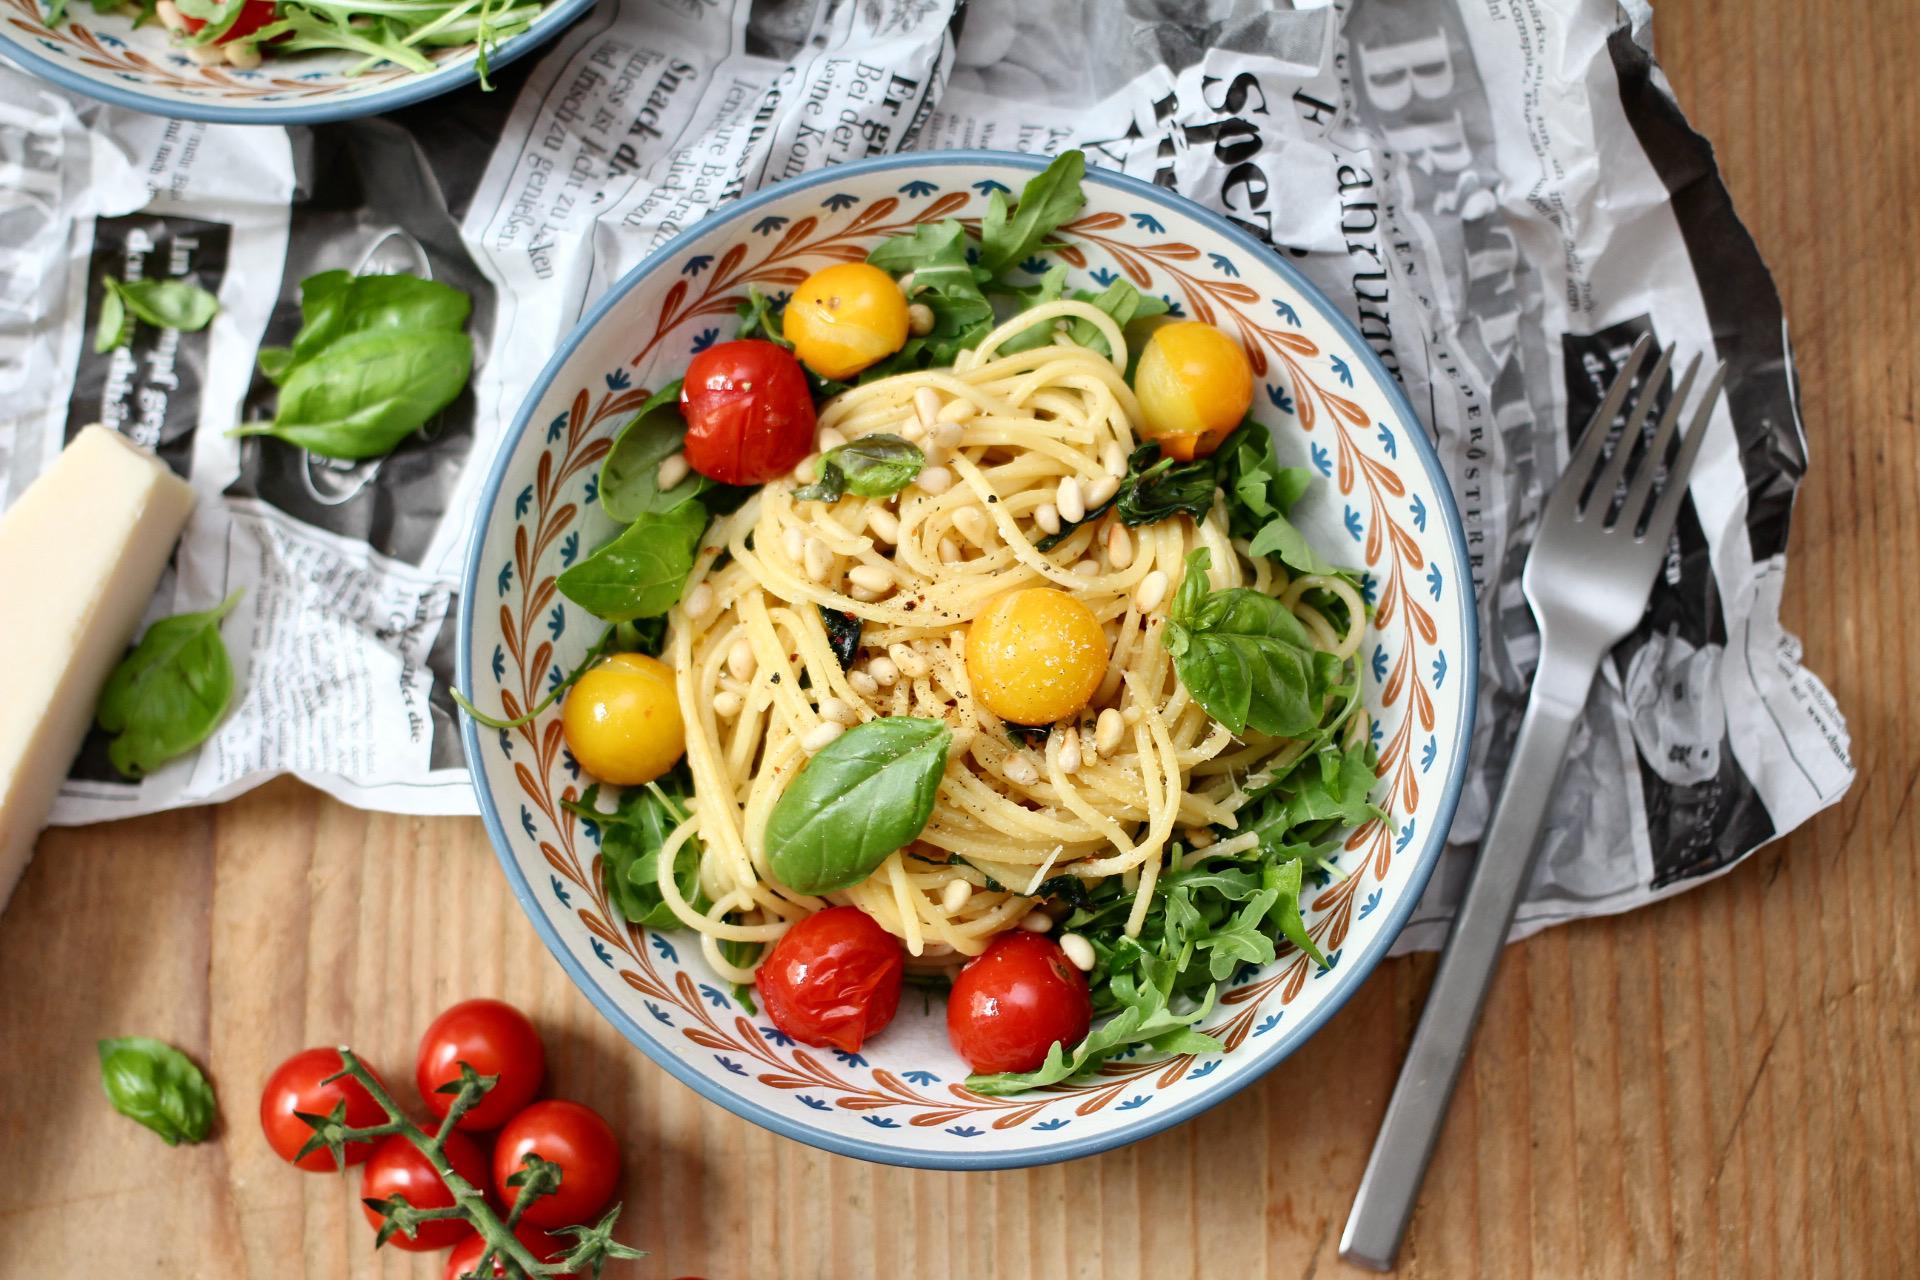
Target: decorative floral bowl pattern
{"points": [[1383, 505], [102, 56]]}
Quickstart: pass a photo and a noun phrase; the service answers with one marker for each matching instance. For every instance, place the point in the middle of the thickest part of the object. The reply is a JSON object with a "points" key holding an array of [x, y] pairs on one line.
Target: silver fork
{"points": [[1587, 577]]}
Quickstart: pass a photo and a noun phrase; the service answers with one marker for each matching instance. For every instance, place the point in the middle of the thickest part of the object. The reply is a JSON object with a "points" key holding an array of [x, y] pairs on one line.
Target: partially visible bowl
{"points": [[1383, 503], [102, 56]]}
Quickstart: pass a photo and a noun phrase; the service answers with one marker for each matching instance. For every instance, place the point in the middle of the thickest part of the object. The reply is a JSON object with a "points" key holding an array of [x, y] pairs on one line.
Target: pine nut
{"points": [[870, 576], [1069, 751], [948, 435], [936, 454], [957, 410], [816, 738], [673, 469], [912, 431], [906, 284], [1020, 770], [207, 55], [884, 672], [1087, 569], [1078, 950], [170, 16], [1036, 922], [950, 552], [1199, 837], [1070, 501], [1100, 491], [837, 710], [884, 524], [243, 54], [955, 895], [1113, 459], [972, 522], [919, 319], [926, 407], [699, 602], [1047, 517], [830, 438], [863, 684], [794, 543], [1107, 733], [1119, 546], [819, 558], [727, 704], [809, 469], [934, 480], [1151, 591], [741, 664], [911, 664]]}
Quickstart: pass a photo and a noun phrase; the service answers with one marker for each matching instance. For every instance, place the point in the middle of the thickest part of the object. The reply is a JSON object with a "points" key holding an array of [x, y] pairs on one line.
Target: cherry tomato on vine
{"points": [[1195, 384], [573, 1137], [294, 1087], [1011, 1004], [397, 1168], [622, 720], [749, 413], [543, 1246], [844, 318], [495, 1039], [833, 979], [255, 15]]}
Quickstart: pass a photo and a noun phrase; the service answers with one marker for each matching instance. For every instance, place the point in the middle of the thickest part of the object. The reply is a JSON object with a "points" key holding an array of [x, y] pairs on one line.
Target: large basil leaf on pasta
{"points": [[865, 794], [1243, 656], [640, 573], [870, 467]]}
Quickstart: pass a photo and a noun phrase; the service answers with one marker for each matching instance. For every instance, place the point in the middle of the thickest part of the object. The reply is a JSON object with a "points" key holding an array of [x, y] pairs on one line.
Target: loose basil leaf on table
{"points": [[1243, 656], [156, 1084], [168, 695], [865, 794], [870, 467], [641, 573], [630, 475], [631, 839], [164, 304]]}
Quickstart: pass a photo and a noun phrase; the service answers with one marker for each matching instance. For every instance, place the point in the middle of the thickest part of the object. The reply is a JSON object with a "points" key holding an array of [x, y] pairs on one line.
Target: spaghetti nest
{"points": [[758, 674]]}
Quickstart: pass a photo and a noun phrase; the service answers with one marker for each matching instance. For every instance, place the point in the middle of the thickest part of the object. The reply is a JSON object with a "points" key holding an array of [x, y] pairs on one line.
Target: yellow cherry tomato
{"points": [[622, 720], [845, 318], [1036, 655], [1195, 385]]}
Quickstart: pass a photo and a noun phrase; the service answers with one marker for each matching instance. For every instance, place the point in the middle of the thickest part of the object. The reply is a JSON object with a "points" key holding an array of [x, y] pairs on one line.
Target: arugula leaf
{"points": [[1051, 288], [758, 319], [641, 572], [631, 839], [1158, 488], [630, 473], [870, 467], [169, 694], [154, 1083], [607, 639], [865, 794], [1260, 497], [1283, 883], [1144, 1019], [1243, 656], [1050, 198], [936, 253], [1121, 301]]}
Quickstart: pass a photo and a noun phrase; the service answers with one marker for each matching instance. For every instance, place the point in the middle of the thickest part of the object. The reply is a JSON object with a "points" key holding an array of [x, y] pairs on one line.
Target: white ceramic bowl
{"points": [[102, 56], [1383, 504]]}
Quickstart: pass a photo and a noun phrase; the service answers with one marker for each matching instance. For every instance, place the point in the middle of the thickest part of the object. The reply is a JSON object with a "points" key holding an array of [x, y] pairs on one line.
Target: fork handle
{"points": [[1384, 1204]]}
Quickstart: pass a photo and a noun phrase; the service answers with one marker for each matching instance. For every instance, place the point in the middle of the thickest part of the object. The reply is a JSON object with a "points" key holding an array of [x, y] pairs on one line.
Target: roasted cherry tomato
{"points": [[397, 1168], [833, 979], [749, 413], [1195, 386], [1036, 655], [254, 15], [573, 1137], [294, 1087], [622, 720], [1012, 1004], [543, 1246], [845, 318], [495, 1039]]}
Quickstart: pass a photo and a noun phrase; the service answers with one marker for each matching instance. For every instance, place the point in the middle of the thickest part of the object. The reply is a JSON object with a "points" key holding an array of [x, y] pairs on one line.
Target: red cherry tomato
{"points": [[1010, 1005], [545, 1247], [833, 979], [749, 413], [495, 1039], [397, 1168], [573, 1137], [255, 15], [294, 1087]]}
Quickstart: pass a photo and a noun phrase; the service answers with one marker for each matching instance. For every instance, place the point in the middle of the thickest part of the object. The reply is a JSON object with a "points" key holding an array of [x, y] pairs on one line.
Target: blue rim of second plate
{"points": [[560, 15], [1021, 1157]]}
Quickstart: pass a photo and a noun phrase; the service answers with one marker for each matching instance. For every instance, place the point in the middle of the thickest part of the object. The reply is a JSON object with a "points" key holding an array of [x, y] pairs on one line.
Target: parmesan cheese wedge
{"points": [[80, 554]]}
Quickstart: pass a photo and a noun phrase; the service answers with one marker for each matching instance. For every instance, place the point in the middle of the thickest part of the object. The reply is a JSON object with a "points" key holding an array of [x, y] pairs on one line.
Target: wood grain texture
{"points": [[1725, 1084]]}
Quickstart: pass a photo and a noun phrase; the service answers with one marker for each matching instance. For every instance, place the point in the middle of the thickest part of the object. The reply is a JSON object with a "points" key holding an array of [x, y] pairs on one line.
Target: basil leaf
{"points": [[865, 794], [1159, 488], [112, 329], [1121, 301], [631, 839], [871, 467], [641, 572], [168, 695], [1049, 199], [843, 633], [1243, 656], [169, 304], [630, 475], [157, 1085], [1144, 1019]]}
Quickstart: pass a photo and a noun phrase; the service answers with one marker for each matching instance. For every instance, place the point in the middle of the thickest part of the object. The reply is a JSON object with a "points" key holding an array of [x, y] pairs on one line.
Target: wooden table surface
{"points": [[1724, 1084]]}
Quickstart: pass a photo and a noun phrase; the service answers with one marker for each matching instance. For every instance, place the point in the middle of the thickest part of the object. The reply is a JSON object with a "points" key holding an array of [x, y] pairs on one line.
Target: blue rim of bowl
{"points": [[560, 15], [1021, 1157]]}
